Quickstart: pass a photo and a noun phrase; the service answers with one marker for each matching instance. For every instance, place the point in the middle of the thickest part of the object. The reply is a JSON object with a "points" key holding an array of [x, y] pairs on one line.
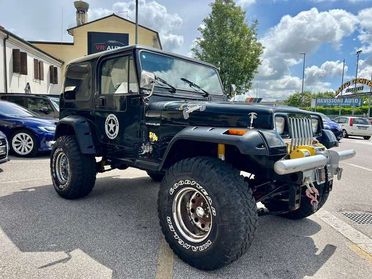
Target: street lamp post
{"points": [[357, 64], [303, 72]]}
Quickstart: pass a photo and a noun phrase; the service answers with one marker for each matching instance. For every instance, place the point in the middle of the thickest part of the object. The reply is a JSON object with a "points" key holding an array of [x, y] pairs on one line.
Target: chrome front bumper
{"points": [[329, 158]]}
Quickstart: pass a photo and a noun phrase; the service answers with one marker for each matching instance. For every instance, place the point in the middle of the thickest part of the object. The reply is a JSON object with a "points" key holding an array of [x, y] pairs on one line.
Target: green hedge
{"points": [[344, 111]]}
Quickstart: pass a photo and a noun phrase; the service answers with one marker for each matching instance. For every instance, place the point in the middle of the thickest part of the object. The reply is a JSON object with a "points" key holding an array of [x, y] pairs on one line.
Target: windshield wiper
{"points": [[172, 89], [194, 85]]}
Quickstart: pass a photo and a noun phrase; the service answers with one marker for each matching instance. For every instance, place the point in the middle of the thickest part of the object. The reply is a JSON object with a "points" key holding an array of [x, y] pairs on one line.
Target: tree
{"points": [[229, 43], [303, 100]]}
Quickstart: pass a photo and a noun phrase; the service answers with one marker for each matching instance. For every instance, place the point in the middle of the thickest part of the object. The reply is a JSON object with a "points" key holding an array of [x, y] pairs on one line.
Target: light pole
{"points": [[303, 72], [343, 73], [357, 64], [136, 35]]}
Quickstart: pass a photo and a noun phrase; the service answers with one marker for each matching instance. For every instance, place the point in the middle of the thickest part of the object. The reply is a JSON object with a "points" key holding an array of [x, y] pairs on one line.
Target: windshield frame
{"points": [[180, 90]]}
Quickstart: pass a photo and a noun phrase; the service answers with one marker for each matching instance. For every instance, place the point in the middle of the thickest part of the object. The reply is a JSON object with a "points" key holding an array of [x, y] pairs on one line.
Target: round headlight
{"points": [[315, 124], [279, 124]]}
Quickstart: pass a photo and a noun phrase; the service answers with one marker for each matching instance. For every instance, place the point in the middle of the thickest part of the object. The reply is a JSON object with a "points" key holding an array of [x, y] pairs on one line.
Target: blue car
{"points": [[27, 133], [329, 124]]}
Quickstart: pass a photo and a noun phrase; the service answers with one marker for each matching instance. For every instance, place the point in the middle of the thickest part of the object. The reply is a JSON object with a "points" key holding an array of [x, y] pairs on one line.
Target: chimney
{"points": [[81, 12]]}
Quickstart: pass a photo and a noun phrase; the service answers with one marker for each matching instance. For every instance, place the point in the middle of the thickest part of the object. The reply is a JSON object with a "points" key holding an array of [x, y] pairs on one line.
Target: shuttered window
{"points": [[23, 63], [53, 74], [41, 70], [16, 61], [36, 69]]}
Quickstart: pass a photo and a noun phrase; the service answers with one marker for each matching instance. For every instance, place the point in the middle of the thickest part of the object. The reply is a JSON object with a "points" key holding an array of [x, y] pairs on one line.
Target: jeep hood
{"points": [[213, 114]]}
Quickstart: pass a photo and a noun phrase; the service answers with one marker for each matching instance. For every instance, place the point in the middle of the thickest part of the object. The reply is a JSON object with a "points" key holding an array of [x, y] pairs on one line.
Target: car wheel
{"points": [[23, 143], [344, 134], [207, 214], [367, 137], [73, 173]]}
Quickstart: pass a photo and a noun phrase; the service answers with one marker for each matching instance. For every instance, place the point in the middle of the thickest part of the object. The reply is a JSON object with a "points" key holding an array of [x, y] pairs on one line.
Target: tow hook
{"points": [[312, 193]]}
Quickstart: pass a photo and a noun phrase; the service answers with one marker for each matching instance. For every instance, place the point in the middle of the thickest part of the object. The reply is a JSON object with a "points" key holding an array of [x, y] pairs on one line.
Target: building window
{"points": [[19, 62], [38, 70], [53, 74]]}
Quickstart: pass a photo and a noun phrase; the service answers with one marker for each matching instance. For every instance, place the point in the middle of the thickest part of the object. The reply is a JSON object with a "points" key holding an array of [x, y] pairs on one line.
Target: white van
{"points": [[355, 126]]}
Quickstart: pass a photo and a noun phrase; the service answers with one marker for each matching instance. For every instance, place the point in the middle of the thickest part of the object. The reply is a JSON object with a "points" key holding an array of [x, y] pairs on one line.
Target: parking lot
{"points": [[114, 232]]}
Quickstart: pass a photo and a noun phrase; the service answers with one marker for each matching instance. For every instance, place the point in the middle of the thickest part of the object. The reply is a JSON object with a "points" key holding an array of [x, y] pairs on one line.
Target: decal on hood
{"points": [[187, 109]]}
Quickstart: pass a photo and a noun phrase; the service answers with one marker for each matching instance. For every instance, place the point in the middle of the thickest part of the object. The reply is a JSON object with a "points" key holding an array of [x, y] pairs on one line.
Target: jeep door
{"points": [[118, 106]]}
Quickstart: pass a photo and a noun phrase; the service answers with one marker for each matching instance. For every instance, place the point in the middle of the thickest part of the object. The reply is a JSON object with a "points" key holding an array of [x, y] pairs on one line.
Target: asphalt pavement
{"points": [[114, 232]]}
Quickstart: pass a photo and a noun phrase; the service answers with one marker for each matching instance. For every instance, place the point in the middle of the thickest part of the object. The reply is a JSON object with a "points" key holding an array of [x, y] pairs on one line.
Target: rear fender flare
{"points": [[78, 126]]}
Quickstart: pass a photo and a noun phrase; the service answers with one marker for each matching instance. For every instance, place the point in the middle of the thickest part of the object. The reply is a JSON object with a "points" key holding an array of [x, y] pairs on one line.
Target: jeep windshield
{"points": [[175, 70]]}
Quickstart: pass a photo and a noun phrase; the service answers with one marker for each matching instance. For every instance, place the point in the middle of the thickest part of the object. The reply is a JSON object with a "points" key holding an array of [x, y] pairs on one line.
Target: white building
{"points": [[23, 66]]}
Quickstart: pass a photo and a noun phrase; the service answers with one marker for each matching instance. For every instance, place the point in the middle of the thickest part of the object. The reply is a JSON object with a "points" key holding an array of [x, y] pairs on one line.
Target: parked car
{"points": [[355, 126], [28, 134], [331, 125], [4, 148], [46, 106]]}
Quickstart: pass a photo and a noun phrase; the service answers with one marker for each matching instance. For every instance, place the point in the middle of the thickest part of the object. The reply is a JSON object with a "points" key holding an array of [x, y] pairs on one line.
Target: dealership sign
{"points": [[340, 102], [101, 41], [355, 86]]}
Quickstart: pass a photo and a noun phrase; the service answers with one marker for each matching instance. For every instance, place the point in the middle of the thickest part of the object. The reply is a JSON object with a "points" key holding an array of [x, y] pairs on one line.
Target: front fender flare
{"points": [[252, 143], [81, 130]]}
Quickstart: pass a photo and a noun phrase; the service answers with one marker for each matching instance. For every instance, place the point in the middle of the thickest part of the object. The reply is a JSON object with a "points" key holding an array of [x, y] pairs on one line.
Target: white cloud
{"points": [[151, 14], [245, 3], [315, 74], [304, 32], [365, 36]]}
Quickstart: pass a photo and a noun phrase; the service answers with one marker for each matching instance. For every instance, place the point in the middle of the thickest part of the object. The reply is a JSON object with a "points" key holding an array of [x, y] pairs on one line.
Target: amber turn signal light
{"points": [[236, 132]]}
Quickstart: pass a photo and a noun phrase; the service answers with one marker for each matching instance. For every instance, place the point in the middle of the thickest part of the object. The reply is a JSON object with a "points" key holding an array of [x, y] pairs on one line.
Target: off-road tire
{"points": [[367, 137], [81, 169], [345, 134], [305, 209], [234, 218], [155, 176], [35, 143]]}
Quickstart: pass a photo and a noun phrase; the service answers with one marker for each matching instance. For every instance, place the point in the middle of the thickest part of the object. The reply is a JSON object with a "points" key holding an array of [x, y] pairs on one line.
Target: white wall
{"points": [[17, 82], [2, 89]]}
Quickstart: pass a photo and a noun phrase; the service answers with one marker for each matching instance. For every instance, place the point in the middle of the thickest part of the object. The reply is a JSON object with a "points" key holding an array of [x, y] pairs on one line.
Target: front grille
{"points": [[300, 131]]}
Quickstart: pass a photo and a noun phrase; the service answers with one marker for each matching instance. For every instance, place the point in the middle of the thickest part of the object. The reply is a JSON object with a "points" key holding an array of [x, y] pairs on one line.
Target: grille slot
{"points": [[301, 132]]}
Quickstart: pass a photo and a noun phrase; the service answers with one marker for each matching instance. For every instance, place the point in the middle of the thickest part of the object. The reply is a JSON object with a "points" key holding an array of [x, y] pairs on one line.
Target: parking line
{"points": [[164, 269], [361, 240], [360, 167]]}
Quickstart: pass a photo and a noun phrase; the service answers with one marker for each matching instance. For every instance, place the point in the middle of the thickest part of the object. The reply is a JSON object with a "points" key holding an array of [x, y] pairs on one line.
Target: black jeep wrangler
{"points": [[168, 115]]}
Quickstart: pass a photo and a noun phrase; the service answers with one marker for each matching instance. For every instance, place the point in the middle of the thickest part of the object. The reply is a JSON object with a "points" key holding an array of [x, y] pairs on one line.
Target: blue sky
{"points": [[327, 30]]}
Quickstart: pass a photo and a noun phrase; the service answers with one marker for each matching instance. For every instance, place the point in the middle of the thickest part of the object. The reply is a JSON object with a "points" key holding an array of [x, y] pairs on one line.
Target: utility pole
{"points": [[342, 81], [136, 35], [357, 64], [303, 72]]}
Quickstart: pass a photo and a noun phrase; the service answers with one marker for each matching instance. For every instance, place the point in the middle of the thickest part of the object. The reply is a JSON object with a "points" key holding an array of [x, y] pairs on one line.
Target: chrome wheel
{"points": [[62, 168], [22, 144], [192, 214]]}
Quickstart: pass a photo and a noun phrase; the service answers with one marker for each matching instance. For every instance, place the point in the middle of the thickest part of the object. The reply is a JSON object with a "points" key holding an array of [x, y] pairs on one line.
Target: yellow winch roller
{"points": [[306, 151]]}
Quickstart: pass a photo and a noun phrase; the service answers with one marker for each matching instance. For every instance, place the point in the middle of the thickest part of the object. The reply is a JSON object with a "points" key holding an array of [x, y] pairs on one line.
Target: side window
{"points": [[78, 82], [118, 76], [39, 105], [19, 100]]}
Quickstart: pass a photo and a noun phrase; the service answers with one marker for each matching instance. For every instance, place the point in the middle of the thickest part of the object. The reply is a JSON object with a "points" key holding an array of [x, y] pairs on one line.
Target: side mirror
{"points": [[232, 89], [147, 81]]}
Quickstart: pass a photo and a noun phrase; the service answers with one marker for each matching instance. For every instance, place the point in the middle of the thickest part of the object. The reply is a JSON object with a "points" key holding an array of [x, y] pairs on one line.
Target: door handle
{"points": [[101, 101]]}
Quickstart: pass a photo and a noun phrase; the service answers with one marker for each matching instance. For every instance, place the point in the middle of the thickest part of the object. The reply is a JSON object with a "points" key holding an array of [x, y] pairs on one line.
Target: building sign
{"points": [[340, 102], [101, 41], [352, 87]]}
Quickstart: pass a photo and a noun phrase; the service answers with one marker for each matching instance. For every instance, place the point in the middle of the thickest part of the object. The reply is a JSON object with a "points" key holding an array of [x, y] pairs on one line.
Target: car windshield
{"points": [[175, 70], [325, 117], [55, 102], [10, 109], [359, 120]]}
